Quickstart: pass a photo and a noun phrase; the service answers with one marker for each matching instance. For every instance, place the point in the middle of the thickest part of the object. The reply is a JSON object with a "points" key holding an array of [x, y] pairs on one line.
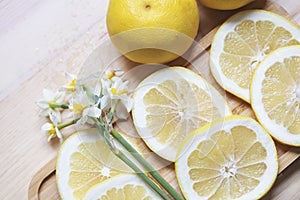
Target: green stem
{"points": [[141, 174], [90, 94], [104, 128], [136, 169], [112, 110], [107, 138], [61, 126], [54, 105], [147, 166]]}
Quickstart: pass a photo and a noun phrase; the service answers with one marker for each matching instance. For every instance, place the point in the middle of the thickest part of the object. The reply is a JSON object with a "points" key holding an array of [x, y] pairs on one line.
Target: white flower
{"points": [[71, 85], [84, 107], [51, 129], [50, 98], [109, 75], [124, 107], [118, 90]]}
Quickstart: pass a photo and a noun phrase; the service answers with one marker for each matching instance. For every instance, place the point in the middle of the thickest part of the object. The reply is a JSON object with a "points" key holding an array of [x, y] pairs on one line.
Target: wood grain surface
{"points": [[25, 155]]}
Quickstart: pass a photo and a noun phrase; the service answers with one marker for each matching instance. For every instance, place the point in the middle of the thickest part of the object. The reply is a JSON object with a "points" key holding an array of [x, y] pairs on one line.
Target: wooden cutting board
{"points": [[43, 184]]}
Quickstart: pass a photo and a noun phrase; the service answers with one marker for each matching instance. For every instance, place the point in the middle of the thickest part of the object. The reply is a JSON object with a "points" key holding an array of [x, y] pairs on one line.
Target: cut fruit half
{"points": [[83, 161], [242, 42], [123, 187], [171, 103], [233, 158], [275, 94]]}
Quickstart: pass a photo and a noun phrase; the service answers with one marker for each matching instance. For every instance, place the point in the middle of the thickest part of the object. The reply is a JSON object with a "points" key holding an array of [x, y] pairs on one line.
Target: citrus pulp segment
{"points": [[83, 161], [242, 42], [171, 103], [232, 158], [123, 187], [275, 94]]}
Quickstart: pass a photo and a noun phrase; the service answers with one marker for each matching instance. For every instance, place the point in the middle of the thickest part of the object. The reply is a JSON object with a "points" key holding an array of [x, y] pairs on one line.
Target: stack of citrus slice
{"points": [[232, 158], [171, 103], [242, 42], [124, 187], [275, 94]]}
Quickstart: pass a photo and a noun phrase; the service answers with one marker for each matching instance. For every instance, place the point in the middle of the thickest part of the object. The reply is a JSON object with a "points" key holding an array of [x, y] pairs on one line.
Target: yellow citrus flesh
{"points": [[146, 32], [232, 158], [170, 104], [242, 42], [124, 187], [275, 94], [129, 192], [225, 4], [84, 160]]}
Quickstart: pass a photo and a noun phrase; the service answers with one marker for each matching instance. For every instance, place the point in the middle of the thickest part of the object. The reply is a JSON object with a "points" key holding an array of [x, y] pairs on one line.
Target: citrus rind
{"points": [[278, 131], [227, 28], [86, 155], [116, 188], [165, 150], [191, 143]]}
